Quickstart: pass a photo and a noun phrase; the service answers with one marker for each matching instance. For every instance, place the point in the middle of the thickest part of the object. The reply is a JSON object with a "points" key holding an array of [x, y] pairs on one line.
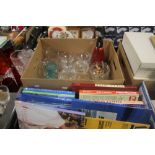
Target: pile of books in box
{"points": [[86, 106]]}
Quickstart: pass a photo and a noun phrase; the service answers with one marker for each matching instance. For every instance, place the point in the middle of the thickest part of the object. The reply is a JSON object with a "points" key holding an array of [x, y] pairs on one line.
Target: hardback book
{"points": [[48, 92], [83, 86], [101, 95]]}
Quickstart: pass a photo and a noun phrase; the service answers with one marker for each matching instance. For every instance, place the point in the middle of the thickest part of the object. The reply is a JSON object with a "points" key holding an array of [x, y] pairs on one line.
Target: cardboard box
{"points": [[128, 74], [140, 53], [31, 78]]}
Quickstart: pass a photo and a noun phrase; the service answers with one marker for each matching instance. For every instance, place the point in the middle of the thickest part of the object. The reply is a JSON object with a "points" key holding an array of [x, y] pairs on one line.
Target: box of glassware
{"points": [[129, 75], [57, 63]]}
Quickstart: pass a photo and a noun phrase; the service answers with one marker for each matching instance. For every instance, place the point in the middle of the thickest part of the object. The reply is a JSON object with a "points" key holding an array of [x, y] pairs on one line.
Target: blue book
{"points": [[47, 92]]}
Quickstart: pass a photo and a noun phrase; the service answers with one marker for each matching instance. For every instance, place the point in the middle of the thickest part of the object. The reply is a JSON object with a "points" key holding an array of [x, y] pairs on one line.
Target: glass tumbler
{"points": [[16, 60], [4, 95]]}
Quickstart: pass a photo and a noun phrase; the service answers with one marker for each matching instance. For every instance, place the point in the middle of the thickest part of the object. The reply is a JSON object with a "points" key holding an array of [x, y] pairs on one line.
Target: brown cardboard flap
{"points": [[69, 45], [112, 58], [60, 84], [124, 65]]}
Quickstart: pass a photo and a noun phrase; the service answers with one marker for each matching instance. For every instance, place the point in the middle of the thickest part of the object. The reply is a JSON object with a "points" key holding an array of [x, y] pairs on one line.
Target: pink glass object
{"points": [[17, 62], [25, 55], [20, 59]]}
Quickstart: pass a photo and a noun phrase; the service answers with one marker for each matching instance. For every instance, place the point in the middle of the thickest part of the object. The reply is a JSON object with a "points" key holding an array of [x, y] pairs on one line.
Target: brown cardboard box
{"points": [[31, 77], [128, 74]]}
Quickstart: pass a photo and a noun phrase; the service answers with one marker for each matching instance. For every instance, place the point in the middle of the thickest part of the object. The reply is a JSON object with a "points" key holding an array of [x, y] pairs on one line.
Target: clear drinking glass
{"points": [[16, 60], [4, 95], [20, 59], [25, 55]]}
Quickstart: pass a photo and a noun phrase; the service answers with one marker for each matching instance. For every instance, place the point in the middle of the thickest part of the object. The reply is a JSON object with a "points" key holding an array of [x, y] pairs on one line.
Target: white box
{"points": [[140, 53]]}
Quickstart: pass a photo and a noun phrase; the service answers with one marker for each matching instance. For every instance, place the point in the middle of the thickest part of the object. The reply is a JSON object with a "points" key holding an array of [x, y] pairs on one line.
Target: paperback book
{"points": [[45, 117], [100, 123]]}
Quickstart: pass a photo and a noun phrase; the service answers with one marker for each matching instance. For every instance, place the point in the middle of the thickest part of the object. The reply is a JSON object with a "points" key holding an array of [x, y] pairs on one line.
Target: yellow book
{"points": [[99, 123]]}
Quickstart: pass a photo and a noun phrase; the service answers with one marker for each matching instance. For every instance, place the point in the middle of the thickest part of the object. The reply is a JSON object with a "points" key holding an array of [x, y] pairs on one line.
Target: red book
{"points": [[100, 92], [79, 86]]}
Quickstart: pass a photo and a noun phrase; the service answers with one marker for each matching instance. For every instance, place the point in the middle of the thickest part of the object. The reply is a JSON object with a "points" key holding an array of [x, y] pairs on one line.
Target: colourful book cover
{"points": [[45, 117], [99, 123]]}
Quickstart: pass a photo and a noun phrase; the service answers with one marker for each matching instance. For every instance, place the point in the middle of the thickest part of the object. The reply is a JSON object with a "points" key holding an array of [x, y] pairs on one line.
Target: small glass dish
{"points": [[47, 69], [100, 71]]}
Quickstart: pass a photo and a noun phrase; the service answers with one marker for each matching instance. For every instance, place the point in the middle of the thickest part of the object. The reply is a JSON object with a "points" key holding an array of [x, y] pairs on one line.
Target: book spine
{"points": [[96, 85], [99, 123], [47, 91], [124, 102], [112, 86], [103, 85], [56, 94], [108, 92], [110, 97]]}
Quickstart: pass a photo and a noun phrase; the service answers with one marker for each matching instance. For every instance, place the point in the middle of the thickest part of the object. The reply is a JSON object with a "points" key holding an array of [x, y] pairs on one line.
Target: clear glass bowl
{"points": [[100, 71], [47, 69]]}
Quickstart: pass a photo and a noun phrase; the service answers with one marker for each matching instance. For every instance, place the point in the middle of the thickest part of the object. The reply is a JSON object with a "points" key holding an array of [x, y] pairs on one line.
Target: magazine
{"points": [[38, 116]]}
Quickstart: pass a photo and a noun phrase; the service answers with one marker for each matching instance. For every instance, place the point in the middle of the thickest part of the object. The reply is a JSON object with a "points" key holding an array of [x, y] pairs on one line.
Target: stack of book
{"points": [[116, 94], [128, 96], [83, 106]]}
